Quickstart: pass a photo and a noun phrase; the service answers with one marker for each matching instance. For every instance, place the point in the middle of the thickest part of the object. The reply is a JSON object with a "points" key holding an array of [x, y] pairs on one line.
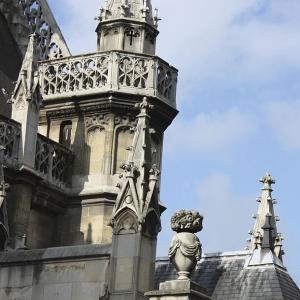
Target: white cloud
{"points": [[209, 132], [283, 118], [227, 215]]}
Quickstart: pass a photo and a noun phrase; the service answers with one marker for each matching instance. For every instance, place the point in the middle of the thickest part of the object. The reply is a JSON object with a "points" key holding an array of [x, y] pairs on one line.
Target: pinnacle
{"points": [[264, 233], [140, 10]]}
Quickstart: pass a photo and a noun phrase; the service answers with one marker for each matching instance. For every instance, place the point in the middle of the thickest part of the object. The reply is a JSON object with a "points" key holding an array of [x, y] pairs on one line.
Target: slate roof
{"points": [[226, 278]]}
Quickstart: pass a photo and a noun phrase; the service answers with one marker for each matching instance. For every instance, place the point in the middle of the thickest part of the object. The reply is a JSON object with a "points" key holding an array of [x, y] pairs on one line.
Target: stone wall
{"points": [[55, 274]]}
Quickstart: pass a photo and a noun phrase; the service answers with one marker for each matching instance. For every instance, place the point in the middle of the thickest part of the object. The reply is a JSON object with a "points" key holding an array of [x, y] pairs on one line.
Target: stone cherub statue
{"points": [[185, 250]]}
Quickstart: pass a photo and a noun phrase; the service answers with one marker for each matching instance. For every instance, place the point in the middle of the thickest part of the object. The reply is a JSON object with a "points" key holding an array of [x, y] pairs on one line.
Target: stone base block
{"points": [[179, 290]]}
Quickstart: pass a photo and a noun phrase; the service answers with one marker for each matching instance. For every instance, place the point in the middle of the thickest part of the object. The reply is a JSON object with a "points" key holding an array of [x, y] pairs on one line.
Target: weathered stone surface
{"points": [[179, 290], [55, 273]]}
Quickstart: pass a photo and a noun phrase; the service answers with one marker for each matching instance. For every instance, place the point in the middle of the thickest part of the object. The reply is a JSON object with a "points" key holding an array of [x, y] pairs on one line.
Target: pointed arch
{"points": [[126, 222]]}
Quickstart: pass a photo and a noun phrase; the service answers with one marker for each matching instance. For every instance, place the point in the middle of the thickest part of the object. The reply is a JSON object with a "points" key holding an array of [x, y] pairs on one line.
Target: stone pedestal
{"points": [[179, 290]]}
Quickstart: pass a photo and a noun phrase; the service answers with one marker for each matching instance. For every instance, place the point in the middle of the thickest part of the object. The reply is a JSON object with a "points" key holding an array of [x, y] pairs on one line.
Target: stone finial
{"points": [[185, 250], [267, 181]]}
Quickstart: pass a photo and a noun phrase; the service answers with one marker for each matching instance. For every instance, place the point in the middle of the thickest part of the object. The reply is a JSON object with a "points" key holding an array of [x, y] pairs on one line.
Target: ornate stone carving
{"points": [[76, 74], [97, 120], [140, 10], [164, 82], [106, 72], [185, 248], [133, 71]]}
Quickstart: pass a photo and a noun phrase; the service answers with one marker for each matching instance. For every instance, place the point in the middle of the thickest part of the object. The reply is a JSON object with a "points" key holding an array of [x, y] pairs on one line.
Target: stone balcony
{"points": [[105, 72], [52, 160]]}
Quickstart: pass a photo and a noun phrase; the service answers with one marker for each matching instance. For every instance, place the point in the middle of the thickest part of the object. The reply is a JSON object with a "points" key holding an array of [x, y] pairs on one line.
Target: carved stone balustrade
{"points": [[10, 133], [52, 161], [108, 72]]}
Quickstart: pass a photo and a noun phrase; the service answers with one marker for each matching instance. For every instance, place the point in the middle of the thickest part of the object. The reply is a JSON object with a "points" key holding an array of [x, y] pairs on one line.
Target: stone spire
{"points": [[129, 25], [26, 101], [265, 234]]}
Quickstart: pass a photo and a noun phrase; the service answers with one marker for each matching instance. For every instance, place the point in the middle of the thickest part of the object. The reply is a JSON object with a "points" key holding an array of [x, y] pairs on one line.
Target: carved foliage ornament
{"points": [[186, 221]]}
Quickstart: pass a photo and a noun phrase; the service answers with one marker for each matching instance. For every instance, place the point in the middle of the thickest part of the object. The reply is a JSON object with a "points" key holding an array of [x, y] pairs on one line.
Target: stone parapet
{"points": [[52, 161], [108, 72]]}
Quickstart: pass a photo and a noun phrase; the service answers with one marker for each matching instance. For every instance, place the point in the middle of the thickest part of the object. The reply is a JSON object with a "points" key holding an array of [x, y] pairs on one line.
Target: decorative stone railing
{"points": [[10, 133], [52, 161], [108, 71]]}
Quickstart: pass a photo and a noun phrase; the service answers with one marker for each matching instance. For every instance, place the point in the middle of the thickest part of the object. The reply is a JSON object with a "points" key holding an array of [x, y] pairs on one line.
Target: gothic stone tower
{"points": [[89, 107]]}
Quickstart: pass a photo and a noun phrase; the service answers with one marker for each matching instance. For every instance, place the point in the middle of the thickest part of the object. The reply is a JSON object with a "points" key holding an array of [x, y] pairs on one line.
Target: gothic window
{"points": [[123, 141], [65, 133], [95, 151]]}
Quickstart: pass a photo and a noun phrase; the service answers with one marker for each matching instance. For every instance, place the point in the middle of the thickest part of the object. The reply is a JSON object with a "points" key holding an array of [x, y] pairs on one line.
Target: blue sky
{"points": [[239, 102]]}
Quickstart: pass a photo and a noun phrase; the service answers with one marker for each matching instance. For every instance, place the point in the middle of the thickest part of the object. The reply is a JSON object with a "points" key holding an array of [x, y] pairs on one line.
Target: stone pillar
{"points": [[136, 218], [132, 260], [184, 253], [26, 100]]}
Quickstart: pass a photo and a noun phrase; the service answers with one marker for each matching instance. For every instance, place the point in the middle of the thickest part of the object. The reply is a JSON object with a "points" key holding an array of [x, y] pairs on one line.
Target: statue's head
{"points": [[186, 221]]}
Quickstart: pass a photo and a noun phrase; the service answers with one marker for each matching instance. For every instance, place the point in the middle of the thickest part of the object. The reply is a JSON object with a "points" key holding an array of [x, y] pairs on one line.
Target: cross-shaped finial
{"points": [[267, 180]]}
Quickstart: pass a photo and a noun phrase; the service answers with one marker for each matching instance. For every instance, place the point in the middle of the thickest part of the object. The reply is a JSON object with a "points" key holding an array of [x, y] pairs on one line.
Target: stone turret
{"points": [[127, 25], [89, 105]]}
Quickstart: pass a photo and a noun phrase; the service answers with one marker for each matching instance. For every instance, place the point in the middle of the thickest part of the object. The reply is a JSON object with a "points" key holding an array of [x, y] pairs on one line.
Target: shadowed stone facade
{"points": [[81, 141]]}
